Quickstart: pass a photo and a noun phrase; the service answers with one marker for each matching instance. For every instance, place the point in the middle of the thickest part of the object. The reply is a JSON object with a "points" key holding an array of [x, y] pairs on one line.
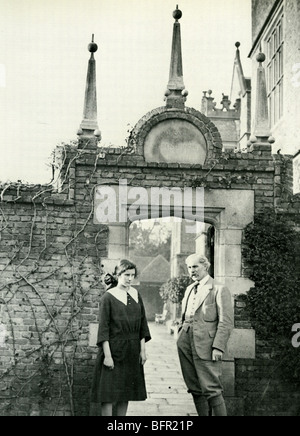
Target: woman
{"points": [[123, 332]]}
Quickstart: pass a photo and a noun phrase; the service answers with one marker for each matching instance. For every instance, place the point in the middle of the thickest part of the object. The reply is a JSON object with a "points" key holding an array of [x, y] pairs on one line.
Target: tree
{"points": [[144, 241]]}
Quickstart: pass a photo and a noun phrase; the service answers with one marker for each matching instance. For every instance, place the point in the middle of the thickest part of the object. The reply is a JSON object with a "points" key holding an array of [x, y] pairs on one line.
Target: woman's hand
{"points": [[143, 357], [109, 363]]}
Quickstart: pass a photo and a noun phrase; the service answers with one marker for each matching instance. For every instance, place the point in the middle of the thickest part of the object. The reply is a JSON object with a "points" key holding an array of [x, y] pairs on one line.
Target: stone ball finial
{"points": [[261, 57], [271, 140], [237, 44], [92, 47], [177, 14], [98, 135]]}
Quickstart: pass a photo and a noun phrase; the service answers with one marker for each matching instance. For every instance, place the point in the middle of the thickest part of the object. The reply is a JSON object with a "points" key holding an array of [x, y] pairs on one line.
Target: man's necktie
{"points": [[195, 288]]}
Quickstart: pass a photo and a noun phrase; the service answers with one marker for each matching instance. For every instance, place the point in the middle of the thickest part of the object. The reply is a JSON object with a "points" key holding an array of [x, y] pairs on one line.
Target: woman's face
{"points": [[126, 278]]}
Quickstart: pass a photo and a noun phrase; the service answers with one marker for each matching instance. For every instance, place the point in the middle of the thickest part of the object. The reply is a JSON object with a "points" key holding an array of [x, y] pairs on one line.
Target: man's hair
{"points": [[198, 258]]}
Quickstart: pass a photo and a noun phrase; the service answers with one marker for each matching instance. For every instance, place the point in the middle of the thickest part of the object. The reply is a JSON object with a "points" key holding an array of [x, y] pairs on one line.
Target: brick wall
{"points": [[49, 289], [260, 382], [50, 267]]}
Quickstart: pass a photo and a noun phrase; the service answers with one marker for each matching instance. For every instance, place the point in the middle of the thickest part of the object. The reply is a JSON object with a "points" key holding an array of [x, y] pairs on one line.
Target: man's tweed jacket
{"points": [[213, 319]]}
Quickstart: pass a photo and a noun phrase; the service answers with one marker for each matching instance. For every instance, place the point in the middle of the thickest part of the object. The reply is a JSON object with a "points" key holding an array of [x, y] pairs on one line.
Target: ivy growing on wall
{"points": [[273, 254]]}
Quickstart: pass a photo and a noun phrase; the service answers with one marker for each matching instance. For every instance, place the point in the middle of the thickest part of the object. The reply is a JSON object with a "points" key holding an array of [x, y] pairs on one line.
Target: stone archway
{"points": [[220, 210]]}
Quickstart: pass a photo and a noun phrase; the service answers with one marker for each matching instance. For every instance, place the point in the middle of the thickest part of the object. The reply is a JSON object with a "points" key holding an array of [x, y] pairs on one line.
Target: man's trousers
{"points": [[202, 377]]}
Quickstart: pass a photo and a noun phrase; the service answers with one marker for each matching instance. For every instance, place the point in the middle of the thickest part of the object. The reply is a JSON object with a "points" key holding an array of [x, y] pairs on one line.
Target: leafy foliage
{"points": [[272, 253], [174, 289]]}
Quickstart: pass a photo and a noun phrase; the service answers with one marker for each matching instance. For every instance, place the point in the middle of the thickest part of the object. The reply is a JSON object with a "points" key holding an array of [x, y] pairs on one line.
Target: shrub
{"points": [[272, 252], [174, 289]]}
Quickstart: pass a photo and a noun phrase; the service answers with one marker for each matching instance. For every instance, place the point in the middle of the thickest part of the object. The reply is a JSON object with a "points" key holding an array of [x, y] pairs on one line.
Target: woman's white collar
{"points": [[121, 294]]}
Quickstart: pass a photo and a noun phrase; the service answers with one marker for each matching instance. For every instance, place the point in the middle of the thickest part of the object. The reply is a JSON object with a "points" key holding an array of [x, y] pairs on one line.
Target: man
{"points": [[207, 322]]}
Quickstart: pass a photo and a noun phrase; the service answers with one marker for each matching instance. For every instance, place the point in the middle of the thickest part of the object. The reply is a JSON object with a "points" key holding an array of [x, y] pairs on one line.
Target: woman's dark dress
{"points": [[124, 327]]}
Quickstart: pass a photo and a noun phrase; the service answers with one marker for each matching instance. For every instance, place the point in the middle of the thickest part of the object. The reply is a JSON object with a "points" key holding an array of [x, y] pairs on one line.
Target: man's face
{"points": [[197, 271]]}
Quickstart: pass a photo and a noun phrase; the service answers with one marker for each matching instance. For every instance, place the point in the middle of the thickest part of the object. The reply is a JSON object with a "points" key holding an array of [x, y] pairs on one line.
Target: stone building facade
{"points": [[275, 33], [55, 245], [276, 30]]}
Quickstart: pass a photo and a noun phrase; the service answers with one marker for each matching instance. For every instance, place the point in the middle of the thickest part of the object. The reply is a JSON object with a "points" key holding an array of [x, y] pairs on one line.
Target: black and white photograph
{"points": [[149, 210]]}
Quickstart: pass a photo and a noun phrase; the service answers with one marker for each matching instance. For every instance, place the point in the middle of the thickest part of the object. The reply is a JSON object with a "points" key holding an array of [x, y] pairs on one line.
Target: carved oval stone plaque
{"points": [[175, 141]]}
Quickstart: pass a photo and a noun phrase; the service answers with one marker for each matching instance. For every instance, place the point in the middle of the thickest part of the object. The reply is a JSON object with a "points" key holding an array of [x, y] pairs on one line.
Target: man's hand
{"points": [[108, 361], [217, 355]]}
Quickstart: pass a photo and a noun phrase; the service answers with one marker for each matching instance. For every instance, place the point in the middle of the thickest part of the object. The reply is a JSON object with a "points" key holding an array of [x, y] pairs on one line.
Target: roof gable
{"points": [[158, 271]]}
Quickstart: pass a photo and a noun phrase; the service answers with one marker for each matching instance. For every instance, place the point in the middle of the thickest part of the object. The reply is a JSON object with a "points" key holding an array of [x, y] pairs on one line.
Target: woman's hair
{"points": [[125, 265], [110, 281]]}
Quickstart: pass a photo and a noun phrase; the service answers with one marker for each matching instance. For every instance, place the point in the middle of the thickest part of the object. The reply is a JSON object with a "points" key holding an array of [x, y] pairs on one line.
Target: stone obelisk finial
{"points": [[238, 65], [89, 125], [261, 127], [176, 94]]}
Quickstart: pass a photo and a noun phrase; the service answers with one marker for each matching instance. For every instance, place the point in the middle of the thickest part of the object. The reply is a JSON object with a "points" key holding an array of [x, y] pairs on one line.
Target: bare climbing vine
{"points": [[57, 332], [51, 281], [224, 180]]}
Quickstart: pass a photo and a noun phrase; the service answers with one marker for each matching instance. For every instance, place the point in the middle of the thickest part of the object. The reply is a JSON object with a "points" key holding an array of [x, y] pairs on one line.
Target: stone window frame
{"points": [[273, 44]]}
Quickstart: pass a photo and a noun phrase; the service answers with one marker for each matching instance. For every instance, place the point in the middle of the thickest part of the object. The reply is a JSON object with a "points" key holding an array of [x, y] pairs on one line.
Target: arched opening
{"points": [[159, 248]]}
